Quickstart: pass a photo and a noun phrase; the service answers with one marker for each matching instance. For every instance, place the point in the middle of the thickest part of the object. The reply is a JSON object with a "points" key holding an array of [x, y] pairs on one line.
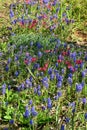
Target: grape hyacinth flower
{"points": [[9, 60], [36, 66], [6, 68], [14, 21], [59, 94], [5, 129], [45, 82], [57, 9], [84, 73], [31, 122], [70, 75], [3, 88], [27, 81], [38, 87], [31, 78], [52, 77], [70, 81], [50, 71], [85, 116], [35, 90], [59, 84], [60, 78], [11, 13], [16, 58], [9, 87], [31, 43], [43, 108], [1, 54], [79, 87], [72, 104], [49, 103], [45, 1], [56, 97], [30, 102], [84, 100], [16, 73], [39, 92], [62, 127], [33, 111], [22, 86], [6, 103], [39, 46], [19, 88], [11, 121], [27, 54], [39, 54], [83, 84], [27, 112], [56, 65], [86, 58], [62, 70], [67, 120]]}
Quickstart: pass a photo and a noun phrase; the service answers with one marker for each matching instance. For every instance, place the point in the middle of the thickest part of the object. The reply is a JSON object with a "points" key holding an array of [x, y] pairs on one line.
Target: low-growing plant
{"points": [[43, 85], [43, 80], [48, 18]]}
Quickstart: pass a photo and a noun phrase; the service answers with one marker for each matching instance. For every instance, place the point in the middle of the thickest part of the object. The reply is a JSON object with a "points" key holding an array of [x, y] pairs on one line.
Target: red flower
{"points": [[68, 48], [59, 61], [48, 51], [67, 63], [40, 69], [46, 65], [44, 68], [33, 59], [44, 16], [49, 7], [44, 24], [69, 66], [64, 53], [78, 61], [26, 62], [33, 24], [27, 1], [34, 21], [21, 24]]}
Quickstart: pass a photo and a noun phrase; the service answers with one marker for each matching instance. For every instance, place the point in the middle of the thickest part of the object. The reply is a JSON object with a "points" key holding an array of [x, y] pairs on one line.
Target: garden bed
{"points": [[43, 67]]}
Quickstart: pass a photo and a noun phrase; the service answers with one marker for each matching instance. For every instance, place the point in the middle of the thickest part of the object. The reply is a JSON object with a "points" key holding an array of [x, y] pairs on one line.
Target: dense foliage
{"points": [[43, 79]]}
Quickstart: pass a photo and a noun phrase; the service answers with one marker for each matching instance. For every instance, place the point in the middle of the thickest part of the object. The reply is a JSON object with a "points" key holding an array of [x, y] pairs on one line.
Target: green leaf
{"points": [[7, 117]]}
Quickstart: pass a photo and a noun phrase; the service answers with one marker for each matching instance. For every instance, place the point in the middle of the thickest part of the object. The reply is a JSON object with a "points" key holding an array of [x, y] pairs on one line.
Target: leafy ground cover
{"points": [[43, 78], [44, 83]]}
